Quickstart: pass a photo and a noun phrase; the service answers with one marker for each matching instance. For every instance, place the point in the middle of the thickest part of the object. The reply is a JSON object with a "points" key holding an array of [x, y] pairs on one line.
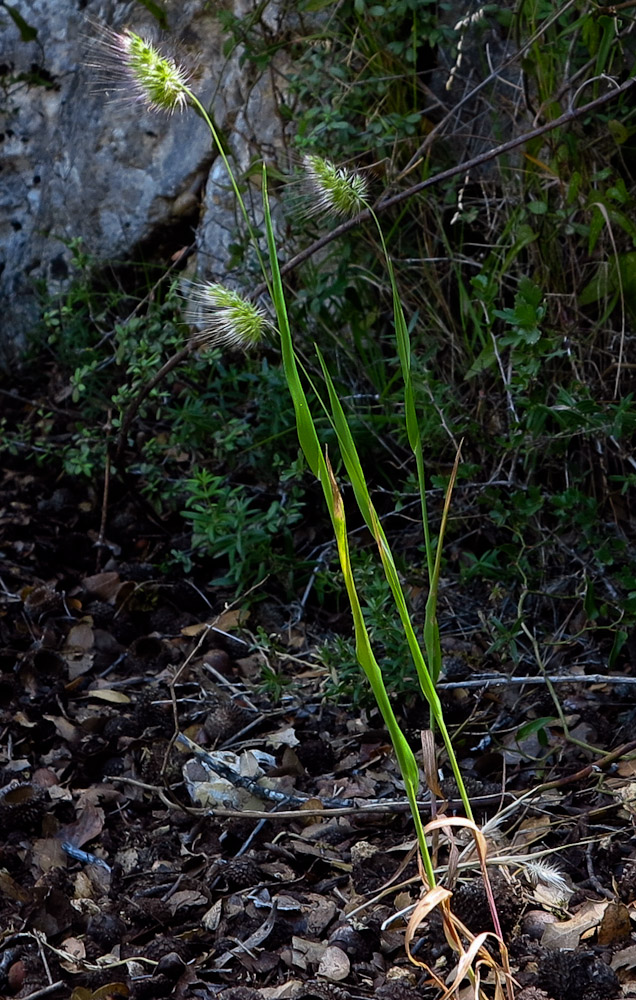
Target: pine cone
{"points": [[566, 974], [239, 873], [22, 805], [470, 904], [225, 720], [627, 882]]}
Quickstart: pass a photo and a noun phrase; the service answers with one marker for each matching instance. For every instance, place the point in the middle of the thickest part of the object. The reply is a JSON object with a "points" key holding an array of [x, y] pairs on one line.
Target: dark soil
{"points": [[128, 870]]}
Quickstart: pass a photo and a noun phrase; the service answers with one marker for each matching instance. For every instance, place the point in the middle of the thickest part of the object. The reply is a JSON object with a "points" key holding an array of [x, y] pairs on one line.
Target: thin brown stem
{"points": [[144, 391], [385, 203], [491, 154]]}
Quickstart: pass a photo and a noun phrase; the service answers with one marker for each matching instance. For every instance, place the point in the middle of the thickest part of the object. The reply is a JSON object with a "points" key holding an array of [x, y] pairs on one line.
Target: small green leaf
{"points": [[535, 726], [157, 12], [530, 292], [598, 288], [618, 132], [484, 360], [619, 641], [605, 284], [27, 32]]}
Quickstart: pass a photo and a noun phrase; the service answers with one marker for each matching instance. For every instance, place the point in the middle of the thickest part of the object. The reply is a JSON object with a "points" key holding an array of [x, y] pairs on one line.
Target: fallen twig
{"points": [[490, 680], [51, 988], [251, 785], [491, 154], [569, 116]]}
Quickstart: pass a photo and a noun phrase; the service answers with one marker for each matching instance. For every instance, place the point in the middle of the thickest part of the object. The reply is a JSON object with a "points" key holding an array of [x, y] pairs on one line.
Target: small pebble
{"points": [[535, 922]]}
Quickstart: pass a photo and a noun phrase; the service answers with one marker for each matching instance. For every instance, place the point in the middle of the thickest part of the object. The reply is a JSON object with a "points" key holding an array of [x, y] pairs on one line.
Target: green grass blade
{"points": [[307, 436], [403, 343], [367, 509], [364, 652], [200, 110], [309, 443]]}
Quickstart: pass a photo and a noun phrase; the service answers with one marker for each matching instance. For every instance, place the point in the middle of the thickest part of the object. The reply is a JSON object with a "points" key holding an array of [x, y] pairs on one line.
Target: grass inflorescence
{"points": [[475, 336]]}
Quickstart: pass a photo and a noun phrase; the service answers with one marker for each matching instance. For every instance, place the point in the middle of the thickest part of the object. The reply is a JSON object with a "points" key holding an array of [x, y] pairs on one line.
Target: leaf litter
{"points": [[169, 830]]}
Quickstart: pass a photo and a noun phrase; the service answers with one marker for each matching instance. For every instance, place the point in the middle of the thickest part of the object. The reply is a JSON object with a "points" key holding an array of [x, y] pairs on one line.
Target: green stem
{"points": [[196, 104]]}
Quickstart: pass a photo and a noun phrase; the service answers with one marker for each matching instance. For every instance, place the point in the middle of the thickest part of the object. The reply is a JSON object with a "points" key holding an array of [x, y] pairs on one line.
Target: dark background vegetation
{"points": [[519, 283]]}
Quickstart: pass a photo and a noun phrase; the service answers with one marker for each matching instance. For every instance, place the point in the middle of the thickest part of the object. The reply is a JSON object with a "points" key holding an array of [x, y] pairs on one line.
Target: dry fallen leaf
{"points": [[568, 933], [306, 953], [626, 768], [289, 989], [212, 917], [80, 637], [334, 964], [186, 897], [224, 622], [76, 951], [320, 911], [82, 887], [625, 958], [195, 630], [627, 796], [283, 737], [89, 824], [79, 664], [105, 586], [48, 853], [530, 830], [11, 889], [66, 729], [615, 925], [106, 694]]}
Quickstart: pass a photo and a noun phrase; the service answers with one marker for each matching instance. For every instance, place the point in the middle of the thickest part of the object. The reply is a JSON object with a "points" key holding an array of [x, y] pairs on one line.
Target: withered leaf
{"points": [[89, 824], [334, 964], [186, 897], [66, 729], [10, 888], [80, 637], [568, 933], [615, 925], [105, 586], [107, 694]]}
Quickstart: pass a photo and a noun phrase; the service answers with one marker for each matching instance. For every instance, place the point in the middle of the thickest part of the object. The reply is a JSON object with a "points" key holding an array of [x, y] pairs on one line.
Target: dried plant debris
{"points": [[470, 904], [566, 974], [22, 806], [176, 825]]}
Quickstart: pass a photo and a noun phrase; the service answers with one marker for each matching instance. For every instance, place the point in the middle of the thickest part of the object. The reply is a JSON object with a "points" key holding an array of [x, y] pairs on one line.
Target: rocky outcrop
{"points": [[79, 165]]}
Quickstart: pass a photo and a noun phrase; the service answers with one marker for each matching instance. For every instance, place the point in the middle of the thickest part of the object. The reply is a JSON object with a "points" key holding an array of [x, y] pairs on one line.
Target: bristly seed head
{"points": [[225, 317], [336, 190], [136, 63], [546, 873]]}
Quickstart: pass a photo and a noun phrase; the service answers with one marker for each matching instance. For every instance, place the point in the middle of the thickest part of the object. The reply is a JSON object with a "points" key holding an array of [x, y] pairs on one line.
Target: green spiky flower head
{"points": [[335, 190], [140, 69], [225, 318]]}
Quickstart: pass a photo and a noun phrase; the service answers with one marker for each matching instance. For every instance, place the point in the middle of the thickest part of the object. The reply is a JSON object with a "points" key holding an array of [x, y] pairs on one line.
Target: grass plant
{"points": [[477, 285], [230, 318]]}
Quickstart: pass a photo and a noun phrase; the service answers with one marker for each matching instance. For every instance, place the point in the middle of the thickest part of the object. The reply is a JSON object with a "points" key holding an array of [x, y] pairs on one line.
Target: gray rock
{"points": [[76, 164]]}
